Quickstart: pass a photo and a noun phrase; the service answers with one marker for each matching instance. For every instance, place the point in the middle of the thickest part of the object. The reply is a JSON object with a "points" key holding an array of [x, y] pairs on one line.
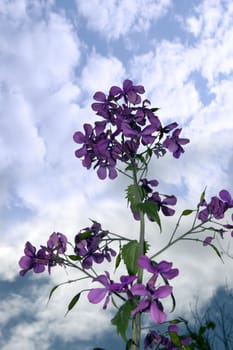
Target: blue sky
{"points": [[53, 56]]}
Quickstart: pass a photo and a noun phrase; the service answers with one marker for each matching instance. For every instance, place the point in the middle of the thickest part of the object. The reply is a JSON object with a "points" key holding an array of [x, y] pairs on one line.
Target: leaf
{"points": [[73, 302], [52, 291], [175, 338], [202, 198], [187, 212], [130, 255], [98, 349], [151, 209], [132, 194], [146, 247], [216, 251], [74, 257], [118, 260], [122, 317]]}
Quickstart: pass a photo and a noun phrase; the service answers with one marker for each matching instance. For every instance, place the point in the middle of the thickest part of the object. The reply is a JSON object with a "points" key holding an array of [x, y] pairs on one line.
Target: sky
{"points": [[54, 55]]}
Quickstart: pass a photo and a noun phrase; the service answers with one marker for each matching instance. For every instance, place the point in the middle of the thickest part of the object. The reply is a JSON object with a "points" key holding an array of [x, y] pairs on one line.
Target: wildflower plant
{"points": [[124, 139]]}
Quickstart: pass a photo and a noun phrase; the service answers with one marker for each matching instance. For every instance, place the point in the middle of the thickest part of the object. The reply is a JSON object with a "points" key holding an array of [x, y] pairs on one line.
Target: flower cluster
{"points": [[153, 338], [216, 209], [150, 293], [91, 244], [149, 196], [96, 295], [125, 127], [45, 256]]}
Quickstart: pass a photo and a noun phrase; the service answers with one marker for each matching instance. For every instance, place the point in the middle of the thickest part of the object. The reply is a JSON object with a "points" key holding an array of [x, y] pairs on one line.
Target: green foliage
{"points": [[151, 209], [130, 255], [122, 317], [187, 212], [73, 302], [132, 194]]}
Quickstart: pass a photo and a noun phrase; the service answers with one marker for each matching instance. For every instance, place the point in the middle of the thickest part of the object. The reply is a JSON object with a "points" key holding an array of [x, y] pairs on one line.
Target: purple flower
{"points": [[226, 197], [96, 295], [32, 260], [89, 246], [216, 207], [163, 268], [150, 302], [130, 92], [146, 185], [163, 204], [57, 241], [174, 143], [207, 240]]}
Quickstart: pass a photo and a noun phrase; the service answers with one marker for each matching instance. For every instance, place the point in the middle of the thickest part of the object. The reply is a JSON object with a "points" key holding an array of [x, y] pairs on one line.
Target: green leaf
{"points": [[52, 291], [175, 338], [122, 317], [130, 255], [202, 198], [155, 109], [151, 209], [216, 251], [118, 260], [74, 257], [73, 302], [132, 193], [187, 212], [146, 247]]}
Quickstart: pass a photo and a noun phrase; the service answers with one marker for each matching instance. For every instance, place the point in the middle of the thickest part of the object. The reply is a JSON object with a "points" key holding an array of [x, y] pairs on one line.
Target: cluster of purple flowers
{"points": [[45, 256], [91, 244], [124, 128], [152, 196], [149, 293], [216, 209], [154, 339]]}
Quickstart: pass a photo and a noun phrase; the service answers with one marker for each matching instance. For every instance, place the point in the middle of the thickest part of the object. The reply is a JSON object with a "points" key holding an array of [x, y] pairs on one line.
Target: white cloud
{"points": [[118, 18]]}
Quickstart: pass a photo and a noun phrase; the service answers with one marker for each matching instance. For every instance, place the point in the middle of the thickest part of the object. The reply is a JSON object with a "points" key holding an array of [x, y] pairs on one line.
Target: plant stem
{"points": [[136, 322]]}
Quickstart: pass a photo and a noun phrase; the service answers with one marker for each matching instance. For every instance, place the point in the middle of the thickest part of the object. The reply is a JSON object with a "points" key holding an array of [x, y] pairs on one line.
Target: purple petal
{"points": [[25, 262], [225, 195], [171, 200], [99, 96], [139, 289], [96, 295], [156, 314], [38, 268], [143, 305], [162, 292], [115, 90], [102, 172], [145, 263], [112, 173]]}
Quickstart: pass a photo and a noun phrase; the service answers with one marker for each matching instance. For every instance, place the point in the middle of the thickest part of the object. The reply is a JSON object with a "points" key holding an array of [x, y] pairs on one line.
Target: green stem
{"points": [[136, 322]]}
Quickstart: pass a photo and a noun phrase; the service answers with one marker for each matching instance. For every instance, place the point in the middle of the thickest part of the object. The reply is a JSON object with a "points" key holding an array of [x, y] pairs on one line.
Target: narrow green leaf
{"points": [[155, 109], [118, 260], [122, 317], [130, 255], [187, 212], [216, 251], [73, 302], [202, 198], [52, 291]]}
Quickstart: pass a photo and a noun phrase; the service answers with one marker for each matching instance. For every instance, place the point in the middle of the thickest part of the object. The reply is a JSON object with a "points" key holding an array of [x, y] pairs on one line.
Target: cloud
{"points": [[116, 19]]}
